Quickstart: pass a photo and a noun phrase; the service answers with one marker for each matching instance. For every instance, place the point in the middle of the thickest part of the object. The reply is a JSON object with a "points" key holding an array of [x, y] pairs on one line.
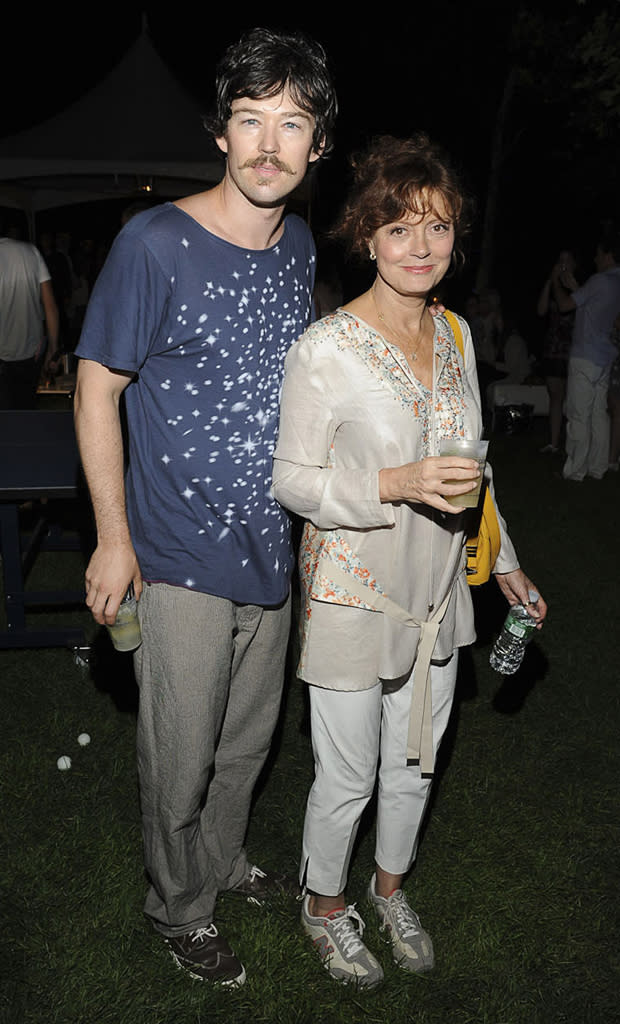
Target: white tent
{"points": [[138, 131]]}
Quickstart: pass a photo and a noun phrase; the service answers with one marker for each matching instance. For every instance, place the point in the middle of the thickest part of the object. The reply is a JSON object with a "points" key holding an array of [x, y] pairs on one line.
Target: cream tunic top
{"points": [[351, 405]]}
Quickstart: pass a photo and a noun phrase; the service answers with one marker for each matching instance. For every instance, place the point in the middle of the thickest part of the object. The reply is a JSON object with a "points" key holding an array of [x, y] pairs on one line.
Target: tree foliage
{"points": [[596, 85], [558, 116]]}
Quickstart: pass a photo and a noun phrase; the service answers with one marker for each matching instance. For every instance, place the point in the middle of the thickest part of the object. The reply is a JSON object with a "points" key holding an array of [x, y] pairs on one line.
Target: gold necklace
{"points": [[414, 355]]}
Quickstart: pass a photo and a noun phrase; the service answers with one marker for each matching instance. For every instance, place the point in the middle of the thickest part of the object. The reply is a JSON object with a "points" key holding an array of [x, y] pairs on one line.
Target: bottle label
{"points": [[520, 629]]}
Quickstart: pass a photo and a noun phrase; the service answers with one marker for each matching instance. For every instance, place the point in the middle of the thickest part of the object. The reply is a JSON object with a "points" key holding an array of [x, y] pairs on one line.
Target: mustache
{"points": [[260, 161]]}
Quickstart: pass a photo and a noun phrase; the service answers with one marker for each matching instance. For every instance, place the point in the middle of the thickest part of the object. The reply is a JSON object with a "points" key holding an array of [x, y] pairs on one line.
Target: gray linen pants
{"points": [[210, 674]]}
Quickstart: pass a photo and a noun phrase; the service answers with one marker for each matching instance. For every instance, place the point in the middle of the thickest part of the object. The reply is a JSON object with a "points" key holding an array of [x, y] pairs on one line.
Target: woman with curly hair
{"points": [[369, 391]]}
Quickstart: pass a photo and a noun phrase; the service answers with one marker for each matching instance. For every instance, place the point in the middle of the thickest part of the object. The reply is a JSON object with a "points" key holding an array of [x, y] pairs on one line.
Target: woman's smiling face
{"points": [[413, 254]]}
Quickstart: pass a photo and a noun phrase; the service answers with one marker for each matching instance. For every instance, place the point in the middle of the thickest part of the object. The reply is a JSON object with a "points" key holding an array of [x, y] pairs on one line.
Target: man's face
{"points": [[269, 146]]}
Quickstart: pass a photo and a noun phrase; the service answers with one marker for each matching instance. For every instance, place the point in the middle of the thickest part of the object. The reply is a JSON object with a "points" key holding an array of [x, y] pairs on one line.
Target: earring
{"points": [[372, 255]]}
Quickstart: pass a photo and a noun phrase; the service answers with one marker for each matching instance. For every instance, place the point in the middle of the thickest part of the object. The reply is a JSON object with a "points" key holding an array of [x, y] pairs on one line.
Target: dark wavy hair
{"points": [[398, 177], [263, 63]]}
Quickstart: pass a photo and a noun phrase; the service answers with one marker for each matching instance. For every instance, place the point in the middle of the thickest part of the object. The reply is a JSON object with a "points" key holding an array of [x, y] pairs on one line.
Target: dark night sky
{"points": [[439, 67], [390, 77]]}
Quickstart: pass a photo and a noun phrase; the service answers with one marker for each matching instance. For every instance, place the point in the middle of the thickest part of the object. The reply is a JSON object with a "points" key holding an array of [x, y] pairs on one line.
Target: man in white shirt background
{"points": [[597, 304], [28, 314]]}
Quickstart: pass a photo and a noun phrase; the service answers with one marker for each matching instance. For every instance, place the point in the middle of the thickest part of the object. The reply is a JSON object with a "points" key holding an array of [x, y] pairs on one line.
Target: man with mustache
{"points": [[189, 324]]}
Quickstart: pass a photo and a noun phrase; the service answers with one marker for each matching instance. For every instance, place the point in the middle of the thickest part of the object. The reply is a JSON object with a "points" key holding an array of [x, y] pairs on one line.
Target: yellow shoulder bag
{"points": [[483, 542]]}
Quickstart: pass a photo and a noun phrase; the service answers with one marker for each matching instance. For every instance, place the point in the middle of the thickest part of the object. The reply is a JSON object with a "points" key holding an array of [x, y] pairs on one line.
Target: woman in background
{"points": [[558, 338]]}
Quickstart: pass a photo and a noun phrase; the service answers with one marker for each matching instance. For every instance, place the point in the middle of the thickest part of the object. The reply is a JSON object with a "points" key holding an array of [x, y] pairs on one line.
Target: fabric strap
{"points": [[420, 735]]}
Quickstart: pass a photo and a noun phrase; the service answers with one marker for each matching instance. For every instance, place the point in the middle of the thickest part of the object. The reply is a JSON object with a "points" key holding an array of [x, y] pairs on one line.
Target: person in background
{"points": [[613, 403], [28, 323], [474, 321], [557, 342], [328, 291], [487, 334], [592, 352], [139, 206], [368, 393], [60, 270], [190, 322], [515, 364]]}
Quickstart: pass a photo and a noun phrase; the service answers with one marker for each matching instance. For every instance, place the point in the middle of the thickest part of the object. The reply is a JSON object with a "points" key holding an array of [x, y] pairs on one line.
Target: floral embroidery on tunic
{"points": [[324, 546], [388, 364]]}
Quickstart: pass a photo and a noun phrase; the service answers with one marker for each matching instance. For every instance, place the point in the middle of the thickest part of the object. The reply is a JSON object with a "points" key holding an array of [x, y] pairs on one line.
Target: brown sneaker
{"points": [[258, 887], [206, 956]]}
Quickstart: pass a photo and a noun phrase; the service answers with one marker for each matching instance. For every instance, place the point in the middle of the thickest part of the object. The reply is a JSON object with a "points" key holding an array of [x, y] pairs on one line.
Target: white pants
{"points": [[587, 426], [351, 733]]}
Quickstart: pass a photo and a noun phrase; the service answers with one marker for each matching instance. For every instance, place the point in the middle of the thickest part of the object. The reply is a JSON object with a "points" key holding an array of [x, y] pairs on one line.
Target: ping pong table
{"points": [[39, 460]]}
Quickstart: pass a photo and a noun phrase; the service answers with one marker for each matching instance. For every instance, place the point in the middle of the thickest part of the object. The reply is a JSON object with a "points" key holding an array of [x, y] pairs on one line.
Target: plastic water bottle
{"points": [[517, 631]]}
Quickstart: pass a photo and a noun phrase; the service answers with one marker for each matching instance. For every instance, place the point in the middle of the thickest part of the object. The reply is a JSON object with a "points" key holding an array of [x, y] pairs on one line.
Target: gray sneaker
{"points": [[338, 941], [412, 948]]}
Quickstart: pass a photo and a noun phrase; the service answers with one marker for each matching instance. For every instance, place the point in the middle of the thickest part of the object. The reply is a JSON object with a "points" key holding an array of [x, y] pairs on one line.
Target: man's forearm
{"points": [[113, 564], [99, 435]]}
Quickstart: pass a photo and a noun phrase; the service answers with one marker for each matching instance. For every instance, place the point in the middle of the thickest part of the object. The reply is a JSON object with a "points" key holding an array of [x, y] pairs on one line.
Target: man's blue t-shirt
{"points": [[205, 325]]}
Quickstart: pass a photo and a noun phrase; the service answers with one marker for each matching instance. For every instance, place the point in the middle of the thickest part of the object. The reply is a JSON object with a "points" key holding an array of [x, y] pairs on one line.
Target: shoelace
{"points": [[406, 921], [343, 928], [255, 872], [204, 933]]}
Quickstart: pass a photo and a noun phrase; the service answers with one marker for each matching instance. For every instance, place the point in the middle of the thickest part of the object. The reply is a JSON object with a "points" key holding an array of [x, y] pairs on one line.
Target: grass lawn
{"points": [[517, 876]]}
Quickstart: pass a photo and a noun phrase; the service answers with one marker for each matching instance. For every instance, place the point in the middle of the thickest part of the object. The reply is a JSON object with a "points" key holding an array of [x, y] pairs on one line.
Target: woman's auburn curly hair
{"points": [[395, 178]]}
